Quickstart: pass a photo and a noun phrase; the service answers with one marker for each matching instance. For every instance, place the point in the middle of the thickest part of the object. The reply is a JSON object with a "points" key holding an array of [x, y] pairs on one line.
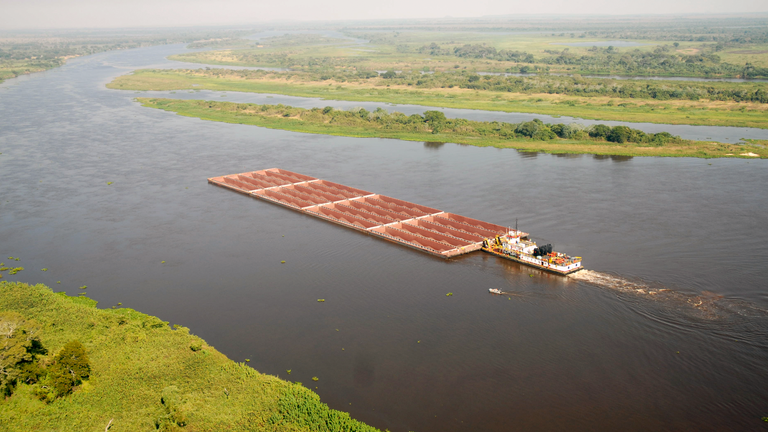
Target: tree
{"points": [[19, 348], [599, 131], [389, 74], [71, 365], [619, 134], [529, 128], [435, 119]]}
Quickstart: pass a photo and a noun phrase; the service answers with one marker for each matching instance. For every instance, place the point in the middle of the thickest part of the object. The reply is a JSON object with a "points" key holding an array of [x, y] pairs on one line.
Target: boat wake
{"points": [[709, 305]]}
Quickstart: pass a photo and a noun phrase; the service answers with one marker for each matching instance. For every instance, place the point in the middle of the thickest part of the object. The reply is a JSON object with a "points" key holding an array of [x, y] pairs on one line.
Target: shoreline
{"points": [[134, 359], [674, 112], [292, 119]]}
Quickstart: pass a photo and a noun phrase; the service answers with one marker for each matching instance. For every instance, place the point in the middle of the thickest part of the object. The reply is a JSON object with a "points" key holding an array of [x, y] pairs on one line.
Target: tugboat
{"points": [[516, 246]]}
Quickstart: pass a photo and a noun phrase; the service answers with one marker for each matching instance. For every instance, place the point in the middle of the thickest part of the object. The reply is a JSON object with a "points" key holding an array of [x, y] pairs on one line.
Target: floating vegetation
{"points": [[3, 268], [289, 371], [109, 183], [162, 262], [84, 287], [44, 269], [58, 281], [418, 341], [15, 270], [321, 300], [282, 262], [315, 379], [119, 304], [449, 294], [247, 360]]}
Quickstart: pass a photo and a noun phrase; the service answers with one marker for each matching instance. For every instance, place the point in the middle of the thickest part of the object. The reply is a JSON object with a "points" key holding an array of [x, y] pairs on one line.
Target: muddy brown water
{"points": [[668, 331]]}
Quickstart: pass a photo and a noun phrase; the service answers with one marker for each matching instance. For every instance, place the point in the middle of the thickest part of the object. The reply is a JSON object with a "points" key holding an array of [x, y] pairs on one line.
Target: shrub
{"points": [[70, 367], [300, 406], [172, 416], [599, 131], [619, 134]]}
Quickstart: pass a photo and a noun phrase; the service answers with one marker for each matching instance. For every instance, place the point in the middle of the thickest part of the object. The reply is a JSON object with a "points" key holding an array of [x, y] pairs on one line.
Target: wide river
{"points": [[667, 331]]}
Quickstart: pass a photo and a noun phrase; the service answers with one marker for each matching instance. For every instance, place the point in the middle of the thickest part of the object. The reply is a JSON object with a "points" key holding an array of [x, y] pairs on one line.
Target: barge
{"points": [[419, 227]]}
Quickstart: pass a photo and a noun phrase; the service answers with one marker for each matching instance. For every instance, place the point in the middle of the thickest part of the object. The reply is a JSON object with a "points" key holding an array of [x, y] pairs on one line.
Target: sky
{"points": [[31, 14]]}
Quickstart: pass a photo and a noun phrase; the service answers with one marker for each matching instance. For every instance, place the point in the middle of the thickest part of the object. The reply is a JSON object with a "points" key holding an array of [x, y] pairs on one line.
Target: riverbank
{"points": [[480, 134], [711, 113], [14, 68], [136, 361]]}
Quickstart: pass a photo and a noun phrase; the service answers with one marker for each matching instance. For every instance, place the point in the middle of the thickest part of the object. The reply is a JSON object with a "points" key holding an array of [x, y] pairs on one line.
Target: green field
{"points": [[717, 113], [650, 53], [379, 124], [13, 68], [147, 376]]}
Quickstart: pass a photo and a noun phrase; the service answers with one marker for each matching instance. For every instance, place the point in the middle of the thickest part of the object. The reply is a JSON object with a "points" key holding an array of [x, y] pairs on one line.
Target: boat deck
{"points": [[420, 227]]}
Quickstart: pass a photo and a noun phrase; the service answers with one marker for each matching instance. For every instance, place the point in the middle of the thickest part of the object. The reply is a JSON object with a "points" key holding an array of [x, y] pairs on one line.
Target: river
{"points": [[668, 330]]}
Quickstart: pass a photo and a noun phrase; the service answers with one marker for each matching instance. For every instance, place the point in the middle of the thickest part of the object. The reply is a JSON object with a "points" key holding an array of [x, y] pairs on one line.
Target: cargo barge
{"points": [[419, 227]]}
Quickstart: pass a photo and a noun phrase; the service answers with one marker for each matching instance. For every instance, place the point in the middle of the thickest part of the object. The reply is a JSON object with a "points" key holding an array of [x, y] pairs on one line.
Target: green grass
{"points": [[313, 121], [136, 359], [757, 54], [382, 52], [596, 108], [13, 68]]}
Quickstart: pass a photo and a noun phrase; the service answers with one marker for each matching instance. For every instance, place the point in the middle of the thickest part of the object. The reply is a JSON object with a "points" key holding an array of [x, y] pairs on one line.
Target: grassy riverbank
{"points": [[704, 113], [147, 376], [529, 136]]}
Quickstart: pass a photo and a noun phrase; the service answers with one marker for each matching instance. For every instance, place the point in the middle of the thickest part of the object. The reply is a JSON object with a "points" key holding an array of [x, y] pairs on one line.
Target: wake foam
{"points": [[709, 305]]}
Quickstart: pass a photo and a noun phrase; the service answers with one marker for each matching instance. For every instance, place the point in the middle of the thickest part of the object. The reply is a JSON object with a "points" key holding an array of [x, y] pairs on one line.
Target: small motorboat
{"points": [[494, 291]]}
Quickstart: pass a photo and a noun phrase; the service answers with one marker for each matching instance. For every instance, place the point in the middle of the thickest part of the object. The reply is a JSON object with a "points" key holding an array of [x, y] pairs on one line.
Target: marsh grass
{"points": [[314, 121], [146, 375], [705, 113]]}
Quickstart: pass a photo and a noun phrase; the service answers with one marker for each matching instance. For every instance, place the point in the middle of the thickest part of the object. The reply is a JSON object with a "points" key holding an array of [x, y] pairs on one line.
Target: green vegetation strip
{"points": [[612, 108], [134, 373], [435, 127]]}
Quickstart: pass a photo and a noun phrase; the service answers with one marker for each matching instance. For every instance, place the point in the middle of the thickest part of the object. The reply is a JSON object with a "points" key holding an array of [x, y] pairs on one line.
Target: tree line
{"points": [[542, 83], [436, 122]]}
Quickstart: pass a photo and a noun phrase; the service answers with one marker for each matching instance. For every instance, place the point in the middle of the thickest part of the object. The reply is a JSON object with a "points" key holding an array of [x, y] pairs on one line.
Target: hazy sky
{"points": [[15, 14]]}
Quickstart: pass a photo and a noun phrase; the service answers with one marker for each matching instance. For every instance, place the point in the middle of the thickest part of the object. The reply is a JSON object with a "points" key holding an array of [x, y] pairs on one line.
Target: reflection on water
{"points": [[433, 145], [615, 158], [388, 340]]}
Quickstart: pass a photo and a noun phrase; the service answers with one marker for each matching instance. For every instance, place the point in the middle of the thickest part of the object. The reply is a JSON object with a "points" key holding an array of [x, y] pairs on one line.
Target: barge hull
{"points": [[548, 268], [419, 227]]}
